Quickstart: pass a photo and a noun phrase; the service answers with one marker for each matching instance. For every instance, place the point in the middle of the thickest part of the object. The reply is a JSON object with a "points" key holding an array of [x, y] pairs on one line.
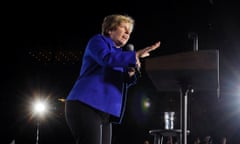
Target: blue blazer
{"points": [[103, 79]]}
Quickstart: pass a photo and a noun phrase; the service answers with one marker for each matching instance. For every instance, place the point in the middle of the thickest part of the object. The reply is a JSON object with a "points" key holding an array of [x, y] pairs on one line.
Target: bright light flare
{"points": [[146, 104], [40, 108]]}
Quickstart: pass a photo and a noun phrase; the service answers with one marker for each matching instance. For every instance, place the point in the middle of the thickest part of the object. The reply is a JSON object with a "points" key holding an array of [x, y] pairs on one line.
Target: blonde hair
{"points": [[111, 22]]}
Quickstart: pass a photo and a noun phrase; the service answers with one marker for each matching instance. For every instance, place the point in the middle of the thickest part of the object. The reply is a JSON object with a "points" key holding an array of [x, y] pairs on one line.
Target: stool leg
{"points": [[161, 140], [157, 139]]}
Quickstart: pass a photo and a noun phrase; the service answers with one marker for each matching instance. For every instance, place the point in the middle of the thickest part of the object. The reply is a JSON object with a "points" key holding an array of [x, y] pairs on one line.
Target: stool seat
{"points": [[159, 134]]}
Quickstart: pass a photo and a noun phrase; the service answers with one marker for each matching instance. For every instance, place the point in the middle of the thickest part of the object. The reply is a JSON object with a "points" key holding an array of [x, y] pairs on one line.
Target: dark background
{"points": [[40, 40]]}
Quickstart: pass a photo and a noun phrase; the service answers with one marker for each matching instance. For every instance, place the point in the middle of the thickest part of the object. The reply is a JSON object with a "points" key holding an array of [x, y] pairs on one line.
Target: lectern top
{"points": [[198, 69]]}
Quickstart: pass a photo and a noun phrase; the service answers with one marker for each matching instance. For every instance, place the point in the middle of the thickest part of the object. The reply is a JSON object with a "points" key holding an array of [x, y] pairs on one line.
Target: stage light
{"points": [[40, 108]]}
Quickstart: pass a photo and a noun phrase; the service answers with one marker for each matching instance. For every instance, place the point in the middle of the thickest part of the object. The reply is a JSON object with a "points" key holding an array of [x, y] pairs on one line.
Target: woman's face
{"points": [[121, 34]]}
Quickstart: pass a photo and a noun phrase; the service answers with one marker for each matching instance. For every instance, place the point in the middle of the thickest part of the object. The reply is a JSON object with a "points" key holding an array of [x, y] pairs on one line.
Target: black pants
{"points": [[89, 126]]}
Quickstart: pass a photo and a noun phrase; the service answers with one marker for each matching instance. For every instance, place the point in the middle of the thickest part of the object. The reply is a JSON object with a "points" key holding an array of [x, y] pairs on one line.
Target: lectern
{"points": [[184, 72]]}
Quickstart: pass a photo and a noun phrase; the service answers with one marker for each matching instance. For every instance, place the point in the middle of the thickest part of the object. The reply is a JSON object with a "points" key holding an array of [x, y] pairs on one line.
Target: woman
{"points": [[98, 96]]}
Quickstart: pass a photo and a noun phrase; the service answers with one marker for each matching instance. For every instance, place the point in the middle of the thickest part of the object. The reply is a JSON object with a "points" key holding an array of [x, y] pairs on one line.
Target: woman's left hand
{"points": [[142, 53]]}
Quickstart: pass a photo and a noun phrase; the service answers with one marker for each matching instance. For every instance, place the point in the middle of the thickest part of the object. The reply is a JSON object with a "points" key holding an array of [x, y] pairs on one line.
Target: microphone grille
{"points": [[130, 47]]}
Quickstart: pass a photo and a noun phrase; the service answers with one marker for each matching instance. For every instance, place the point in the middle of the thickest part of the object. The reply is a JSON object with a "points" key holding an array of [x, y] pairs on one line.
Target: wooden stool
{"points": [[159, 134]]}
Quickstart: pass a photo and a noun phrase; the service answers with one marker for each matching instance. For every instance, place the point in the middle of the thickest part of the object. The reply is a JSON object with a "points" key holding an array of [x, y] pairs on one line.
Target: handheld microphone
{"points": [[130, 47]]}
